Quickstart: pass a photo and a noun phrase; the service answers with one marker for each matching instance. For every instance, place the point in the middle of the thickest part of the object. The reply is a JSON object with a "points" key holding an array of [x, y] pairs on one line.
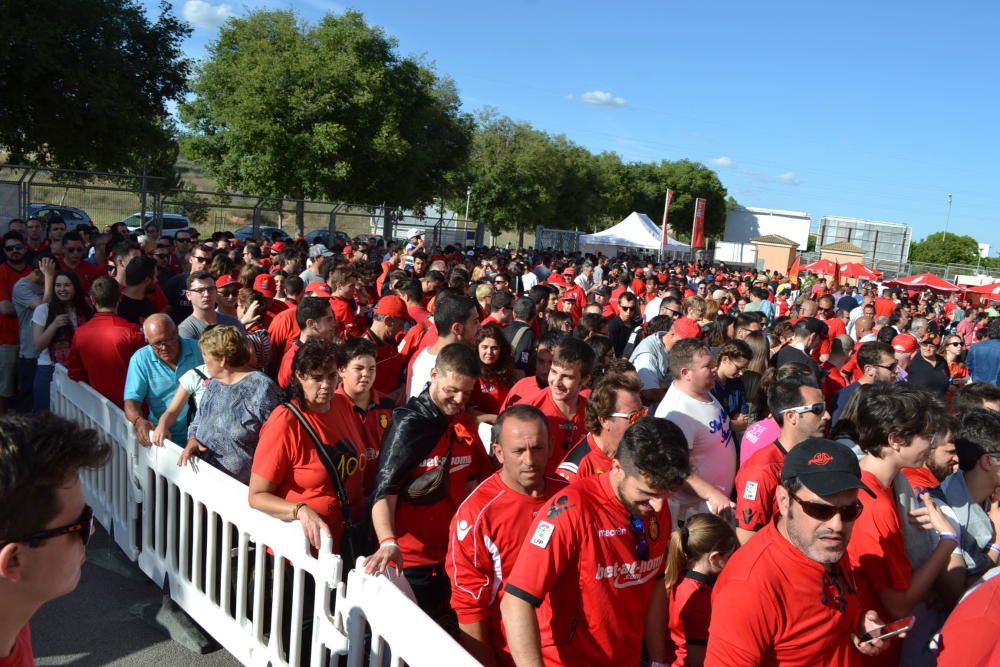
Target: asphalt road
{"points": [[101, 623]]}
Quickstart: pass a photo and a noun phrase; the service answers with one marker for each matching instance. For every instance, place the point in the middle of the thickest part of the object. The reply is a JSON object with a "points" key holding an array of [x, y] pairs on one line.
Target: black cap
{"points": [[824, 466], [815, 326]]}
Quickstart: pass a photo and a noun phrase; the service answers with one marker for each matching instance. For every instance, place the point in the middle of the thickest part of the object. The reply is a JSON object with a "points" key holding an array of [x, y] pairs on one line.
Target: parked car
{"points": [[373, 239], [172, 223], [74, 217], [323, 236], [246, 233]]}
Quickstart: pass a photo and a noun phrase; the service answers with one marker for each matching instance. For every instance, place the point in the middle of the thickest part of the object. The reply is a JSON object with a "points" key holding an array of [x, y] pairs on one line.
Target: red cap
{"points": [[348, 250], [569, 271], [570, 296], [557, 279], [318, 288], [278, 246], [264, 283], [392, 306], [685, 327], [225, 280], [904, 344]]}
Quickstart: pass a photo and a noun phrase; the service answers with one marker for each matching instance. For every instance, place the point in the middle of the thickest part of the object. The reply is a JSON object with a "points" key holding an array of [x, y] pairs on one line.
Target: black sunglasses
{"points": [[891, 367], [84, 526], [639, 533], [824, 512], [13, 248]]}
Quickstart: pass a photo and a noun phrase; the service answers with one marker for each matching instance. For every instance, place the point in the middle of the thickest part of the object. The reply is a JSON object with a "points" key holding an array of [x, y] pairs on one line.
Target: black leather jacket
{"points": [[415, 429]]}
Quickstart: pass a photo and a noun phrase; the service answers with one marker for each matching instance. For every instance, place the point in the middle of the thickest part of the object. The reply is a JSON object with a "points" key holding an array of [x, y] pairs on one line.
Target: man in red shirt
{"points": [[969, 637], [74, 250], [884, 306], [414, 500], [526, 388], [489, 527], [560, 402], [613, 407], [388, 319], [588, 582], [501, 310], [13, 270], [315, 320], [797, 405], [344, 284], [789, 597], [102, 347]]}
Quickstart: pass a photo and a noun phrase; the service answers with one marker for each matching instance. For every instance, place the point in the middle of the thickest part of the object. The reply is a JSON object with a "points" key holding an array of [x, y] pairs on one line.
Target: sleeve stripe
{"points": [[696, 642], [511, 589]]}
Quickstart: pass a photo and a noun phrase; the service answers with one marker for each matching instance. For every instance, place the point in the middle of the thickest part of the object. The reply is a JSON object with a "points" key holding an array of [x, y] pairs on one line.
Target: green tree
{"points": [[288, 109], [939, 248], [85, 84]]}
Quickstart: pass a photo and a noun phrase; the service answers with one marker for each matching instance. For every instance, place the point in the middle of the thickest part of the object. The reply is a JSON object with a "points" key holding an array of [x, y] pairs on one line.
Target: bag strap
{"points": [[331, 469], [518, 336]]}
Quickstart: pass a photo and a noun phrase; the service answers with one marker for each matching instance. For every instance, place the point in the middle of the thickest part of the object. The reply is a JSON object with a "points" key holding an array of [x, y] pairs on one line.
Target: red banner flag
{"points": [[665, 232], [698, 228], [836, 274], [793, 272]]}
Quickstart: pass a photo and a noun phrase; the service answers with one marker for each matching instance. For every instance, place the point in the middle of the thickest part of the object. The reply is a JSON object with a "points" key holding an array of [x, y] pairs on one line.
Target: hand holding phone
{"points": [[888, 630]]}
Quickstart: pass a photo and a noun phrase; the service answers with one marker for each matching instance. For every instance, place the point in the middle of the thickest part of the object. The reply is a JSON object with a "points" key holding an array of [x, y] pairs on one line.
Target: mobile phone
{"points": [[889, 630]]}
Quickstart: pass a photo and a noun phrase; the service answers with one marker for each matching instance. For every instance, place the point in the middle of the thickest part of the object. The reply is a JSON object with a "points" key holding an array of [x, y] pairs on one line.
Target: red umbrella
{"points": [[923, 281], [860, 271], [824, 266]]}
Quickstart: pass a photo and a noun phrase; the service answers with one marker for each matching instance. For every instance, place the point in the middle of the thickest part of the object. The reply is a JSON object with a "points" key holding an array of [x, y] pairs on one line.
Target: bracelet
{"points": [[948, 536], [295, 512], [388, 540], [995, 548]]}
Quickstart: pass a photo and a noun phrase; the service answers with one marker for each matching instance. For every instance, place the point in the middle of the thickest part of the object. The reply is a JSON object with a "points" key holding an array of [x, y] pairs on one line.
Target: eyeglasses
{"points": [[178, 239], [163, 343], [632, 417], [639, 533], [201, 290], [816, 408], [84, 526], [892, 368], [200, 258], [13, 248], [672, 312], [499, 282], [824, 512], [229, 292]]}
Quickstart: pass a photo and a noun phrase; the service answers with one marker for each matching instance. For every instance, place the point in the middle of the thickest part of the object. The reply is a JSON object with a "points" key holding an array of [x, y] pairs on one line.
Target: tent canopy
{"points": [[858, 270], [923, 281], [635, 231], [824, 266]]}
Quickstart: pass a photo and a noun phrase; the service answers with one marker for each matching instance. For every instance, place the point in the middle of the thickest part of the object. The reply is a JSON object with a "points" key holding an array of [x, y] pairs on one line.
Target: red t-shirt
{"points": [[370, 426], [388, 364], [22, 654], [348, 321], [422, 531], [419, 314], [86, 272], [10, 333], [878, 554], [583, 461], [563, 431], [485, 536], [689, 612], [773, 605], [283, 330], [835, 327], [921, 478], [756, 482], [287, 457], [523, 390], [100, 354], [274, 309], [287, 359], [488, 396], [884, 307], [578, 567], [158, 299], [967, 639], [833, 381]]}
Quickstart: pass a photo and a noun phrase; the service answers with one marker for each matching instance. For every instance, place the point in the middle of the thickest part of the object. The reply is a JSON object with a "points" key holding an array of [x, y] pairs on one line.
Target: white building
{"points": [[743, 224]]}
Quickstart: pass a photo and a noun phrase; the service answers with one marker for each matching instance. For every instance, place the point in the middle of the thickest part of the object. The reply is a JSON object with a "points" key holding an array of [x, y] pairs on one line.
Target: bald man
{"points": [[154, 374]]}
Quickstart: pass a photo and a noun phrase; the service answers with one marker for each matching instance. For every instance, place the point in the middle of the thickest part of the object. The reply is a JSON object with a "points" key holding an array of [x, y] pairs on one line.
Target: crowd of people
{"points": [[571, 459]]}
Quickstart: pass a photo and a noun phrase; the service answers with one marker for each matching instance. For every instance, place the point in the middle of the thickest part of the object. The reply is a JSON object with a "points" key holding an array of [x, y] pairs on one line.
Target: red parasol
{"points": [[859, 271], [824, 266], [923, 281]]}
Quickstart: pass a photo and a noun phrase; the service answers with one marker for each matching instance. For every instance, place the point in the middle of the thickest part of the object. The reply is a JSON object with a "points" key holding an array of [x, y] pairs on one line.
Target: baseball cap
{"points": [[414, 233], [569, 271], [319, 250], [225, 280], [570, 296], [603, 291], [264, 283], [687, 328], [904, 343], [318, 288], [348, 250], [557, 279], [391, 306], [277, 246], [824, 466]]}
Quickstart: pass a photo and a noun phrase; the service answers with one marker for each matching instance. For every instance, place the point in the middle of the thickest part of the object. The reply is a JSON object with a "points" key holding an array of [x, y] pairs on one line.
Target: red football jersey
{"points": [[349, 322], [369, 425], [578, 567], [485, 536], [689, 612], [583, 461], [563, 431], [756, 482], [523, 390]]}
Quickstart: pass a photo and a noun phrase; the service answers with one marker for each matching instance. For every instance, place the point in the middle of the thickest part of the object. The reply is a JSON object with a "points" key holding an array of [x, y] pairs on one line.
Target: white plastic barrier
{"points": [[112, 491]]}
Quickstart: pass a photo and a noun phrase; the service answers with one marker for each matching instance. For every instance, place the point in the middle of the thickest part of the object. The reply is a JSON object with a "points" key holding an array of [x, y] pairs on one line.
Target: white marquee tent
{"points": [[636, 231]]}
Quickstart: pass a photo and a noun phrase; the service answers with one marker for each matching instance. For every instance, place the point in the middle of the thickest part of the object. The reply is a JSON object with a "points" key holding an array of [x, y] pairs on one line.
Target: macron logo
{"points": [[820, 459]]}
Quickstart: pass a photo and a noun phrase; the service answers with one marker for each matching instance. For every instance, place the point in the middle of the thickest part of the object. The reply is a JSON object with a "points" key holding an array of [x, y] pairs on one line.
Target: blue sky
{"points": [[868, 109]]}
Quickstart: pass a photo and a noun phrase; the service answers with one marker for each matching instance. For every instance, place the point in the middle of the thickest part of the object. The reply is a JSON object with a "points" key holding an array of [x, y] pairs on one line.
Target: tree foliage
{"points": [[84, 84], [283, 108], [939, 248]]}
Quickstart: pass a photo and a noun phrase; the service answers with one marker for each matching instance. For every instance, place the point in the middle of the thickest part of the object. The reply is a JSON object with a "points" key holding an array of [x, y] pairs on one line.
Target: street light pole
{"points": [[468, 199], [947, 219]]}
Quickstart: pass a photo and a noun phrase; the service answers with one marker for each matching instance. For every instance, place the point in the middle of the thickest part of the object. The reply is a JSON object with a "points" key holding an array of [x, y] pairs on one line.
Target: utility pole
{"points": [[947, 219], [468, 200]]}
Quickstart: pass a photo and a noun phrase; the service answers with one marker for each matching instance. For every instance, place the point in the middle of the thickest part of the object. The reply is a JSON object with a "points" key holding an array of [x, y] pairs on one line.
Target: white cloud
{"points": [[600, 98], [787, 177], [723, 161], [202, 14]]}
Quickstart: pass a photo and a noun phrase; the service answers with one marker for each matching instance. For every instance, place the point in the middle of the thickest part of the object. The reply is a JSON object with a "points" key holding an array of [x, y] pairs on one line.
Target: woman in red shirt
{"points": [[496, 374], [951, 350], [697, 553]]}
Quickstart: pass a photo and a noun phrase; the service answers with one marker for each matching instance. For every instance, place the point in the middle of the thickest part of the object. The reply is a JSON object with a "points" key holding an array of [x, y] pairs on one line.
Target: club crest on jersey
{"points": [[543, 533], [558, 506], [652, 529], [383, 420], [750, 492]]}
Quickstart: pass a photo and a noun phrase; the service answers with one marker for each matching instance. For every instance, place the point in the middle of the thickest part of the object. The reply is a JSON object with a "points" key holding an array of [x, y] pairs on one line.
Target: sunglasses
{"points": [[824, 512], [892, 368], [639, 533], [957, 342], [816, 408], [75, 251], [201, 259], [632, 417], [13, 248], [229, 292], [623, 307], [84, 526], [178, 239]]}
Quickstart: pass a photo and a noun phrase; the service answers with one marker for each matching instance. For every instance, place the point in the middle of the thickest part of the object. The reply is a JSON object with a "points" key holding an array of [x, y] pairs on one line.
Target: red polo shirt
{"points": [[689, 612], [756, 482], [583, 461], [773, 605], [100, 353], [368, 425], [285, 368], [348, 321], [563, 431], [388, 364], [523, 390], [921, 478], [969, 637], [579, 569], [86, 272]]}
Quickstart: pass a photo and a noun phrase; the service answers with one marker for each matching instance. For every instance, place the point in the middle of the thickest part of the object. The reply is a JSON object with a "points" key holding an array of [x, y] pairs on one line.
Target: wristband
{"points": [[995, 548], [391, 541], [948, 536], [295, 512]]}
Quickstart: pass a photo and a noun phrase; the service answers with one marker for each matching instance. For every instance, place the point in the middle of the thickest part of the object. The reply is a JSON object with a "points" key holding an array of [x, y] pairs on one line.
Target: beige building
{"points": [[842, 253], [774, 252]]}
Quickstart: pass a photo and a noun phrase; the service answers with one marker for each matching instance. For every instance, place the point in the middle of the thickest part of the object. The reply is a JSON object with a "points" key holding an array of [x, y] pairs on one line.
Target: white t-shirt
{"points": [[710, 438], [652, 309], [194, 384], [421, 372], [38, 317]]}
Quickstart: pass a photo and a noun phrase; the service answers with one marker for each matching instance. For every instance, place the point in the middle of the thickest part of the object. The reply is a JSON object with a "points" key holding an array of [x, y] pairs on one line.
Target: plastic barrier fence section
{"points": [[248, 579], [112, 490]]}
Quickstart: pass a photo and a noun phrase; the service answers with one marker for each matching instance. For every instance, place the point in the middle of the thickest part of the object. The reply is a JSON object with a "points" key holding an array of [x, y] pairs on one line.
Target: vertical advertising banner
{"points": [[698, 228], [665, 232]]}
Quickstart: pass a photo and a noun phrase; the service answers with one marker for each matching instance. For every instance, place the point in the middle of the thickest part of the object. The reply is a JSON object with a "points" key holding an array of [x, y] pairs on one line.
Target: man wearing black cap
{"points": [[808, 333], [789, 595]]}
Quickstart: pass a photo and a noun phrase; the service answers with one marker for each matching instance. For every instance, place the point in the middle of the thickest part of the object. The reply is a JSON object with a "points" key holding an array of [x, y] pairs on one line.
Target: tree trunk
{"points": [[300, 215]]}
